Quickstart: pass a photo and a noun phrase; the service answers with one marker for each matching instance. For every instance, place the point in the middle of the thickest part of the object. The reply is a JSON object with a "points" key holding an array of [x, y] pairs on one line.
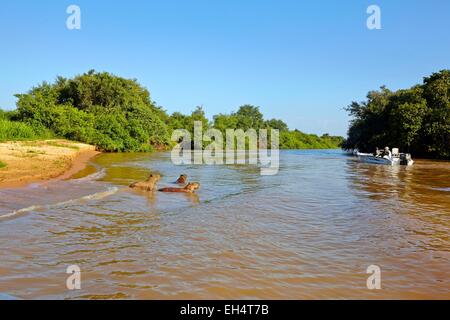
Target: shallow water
{"points": [[309, 232]]}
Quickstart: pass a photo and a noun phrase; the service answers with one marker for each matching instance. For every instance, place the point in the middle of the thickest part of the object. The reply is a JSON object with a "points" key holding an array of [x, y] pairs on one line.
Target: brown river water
{"points": [[309, 232]]}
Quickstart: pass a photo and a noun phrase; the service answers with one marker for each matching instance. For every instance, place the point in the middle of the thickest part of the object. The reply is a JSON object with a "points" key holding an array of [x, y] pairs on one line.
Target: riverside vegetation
{"points": [[118, 115], [416, 119]]}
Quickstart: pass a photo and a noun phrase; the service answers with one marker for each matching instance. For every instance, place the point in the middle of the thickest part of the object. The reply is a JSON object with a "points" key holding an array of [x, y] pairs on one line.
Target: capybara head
{"points": [[154, 177], [192, 186], [182, 179]]}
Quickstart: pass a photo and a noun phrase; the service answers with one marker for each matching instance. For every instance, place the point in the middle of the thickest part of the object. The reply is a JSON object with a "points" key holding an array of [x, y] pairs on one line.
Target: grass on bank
{"points": [[62, 145], [2, 165]]}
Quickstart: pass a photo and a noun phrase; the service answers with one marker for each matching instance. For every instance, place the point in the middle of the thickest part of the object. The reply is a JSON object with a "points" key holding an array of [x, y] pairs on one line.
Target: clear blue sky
{"points": [[301, 61]]}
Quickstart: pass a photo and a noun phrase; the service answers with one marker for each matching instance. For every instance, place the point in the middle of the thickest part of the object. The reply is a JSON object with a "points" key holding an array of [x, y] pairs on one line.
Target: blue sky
{"points": [[301, 61]]}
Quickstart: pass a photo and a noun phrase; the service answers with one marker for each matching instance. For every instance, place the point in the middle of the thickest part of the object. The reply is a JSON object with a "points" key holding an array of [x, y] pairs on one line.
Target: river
{"points": [[309, 232]]}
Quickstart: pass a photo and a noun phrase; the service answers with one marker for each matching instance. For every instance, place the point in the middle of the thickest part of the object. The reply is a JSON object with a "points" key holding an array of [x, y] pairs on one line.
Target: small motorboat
{"points": [[395, 159]]}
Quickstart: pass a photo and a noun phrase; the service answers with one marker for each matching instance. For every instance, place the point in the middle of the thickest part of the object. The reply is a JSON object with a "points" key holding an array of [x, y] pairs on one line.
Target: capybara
{"points": [[190, 188], [182, 179], [147, 185]]}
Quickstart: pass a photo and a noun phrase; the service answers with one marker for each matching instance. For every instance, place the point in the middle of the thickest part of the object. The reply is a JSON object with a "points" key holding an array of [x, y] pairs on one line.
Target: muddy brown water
{"points": [[309, 232]]}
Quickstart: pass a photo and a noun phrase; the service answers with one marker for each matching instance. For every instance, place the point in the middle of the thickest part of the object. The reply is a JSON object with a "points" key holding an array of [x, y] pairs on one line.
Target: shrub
{"points": [[12, 131]]}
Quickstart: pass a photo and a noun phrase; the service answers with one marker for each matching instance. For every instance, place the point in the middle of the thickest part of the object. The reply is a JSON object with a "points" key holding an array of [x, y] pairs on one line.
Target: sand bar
{"points": [[35, 161]]}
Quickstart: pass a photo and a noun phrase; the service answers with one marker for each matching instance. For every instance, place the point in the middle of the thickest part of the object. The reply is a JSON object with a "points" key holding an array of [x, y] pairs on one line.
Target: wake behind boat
{"points": [[386, 157]]}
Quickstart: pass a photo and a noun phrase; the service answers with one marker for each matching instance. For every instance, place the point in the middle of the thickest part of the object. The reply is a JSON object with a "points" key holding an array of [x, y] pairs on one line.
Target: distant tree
{"points": [[276, 124], [224, 121], [199, 115], [249, 117], [180, 121]]}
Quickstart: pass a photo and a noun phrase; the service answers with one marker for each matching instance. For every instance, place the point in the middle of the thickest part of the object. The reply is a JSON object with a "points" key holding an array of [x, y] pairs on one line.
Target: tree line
{"points": [[118, 115], [417, 120]]}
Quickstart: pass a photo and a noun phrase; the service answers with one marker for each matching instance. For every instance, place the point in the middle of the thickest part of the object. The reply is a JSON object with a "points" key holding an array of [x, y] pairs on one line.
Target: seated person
{"points": [[378, 152], [387, 154]]}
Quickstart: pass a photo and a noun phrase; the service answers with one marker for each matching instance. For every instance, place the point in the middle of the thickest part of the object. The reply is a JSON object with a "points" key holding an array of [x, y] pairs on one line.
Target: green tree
{"points": [[113, 113], [249, 117], [276, 124], [417, 119], [436, 133], [225, 121]]}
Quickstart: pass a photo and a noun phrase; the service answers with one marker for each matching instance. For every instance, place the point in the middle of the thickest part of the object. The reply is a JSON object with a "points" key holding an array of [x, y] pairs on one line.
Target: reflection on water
{"points": [[309, 232]]}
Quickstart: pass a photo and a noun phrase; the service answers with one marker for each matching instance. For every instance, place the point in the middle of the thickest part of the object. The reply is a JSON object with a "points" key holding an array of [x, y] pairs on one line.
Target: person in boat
{"points": [[147, 185], [377, 152], [387, 154], [182, 179], [189, 188]]}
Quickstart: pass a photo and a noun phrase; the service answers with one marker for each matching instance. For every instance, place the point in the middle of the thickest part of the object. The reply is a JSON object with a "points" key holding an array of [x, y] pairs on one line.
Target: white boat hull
{"points": [[369, 158]]}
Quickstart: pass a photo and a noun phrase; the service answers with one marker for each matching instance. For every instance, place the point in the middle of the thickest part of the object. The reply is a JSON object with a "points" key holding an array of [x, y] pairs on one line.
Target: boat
{"points": [[396, 158]]}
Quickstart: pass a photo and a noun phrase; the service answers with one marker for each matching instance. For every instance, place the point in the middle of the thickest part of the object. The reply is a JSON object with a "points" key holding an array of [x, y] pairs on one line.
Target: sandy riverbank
{"points": [[35, 161]]}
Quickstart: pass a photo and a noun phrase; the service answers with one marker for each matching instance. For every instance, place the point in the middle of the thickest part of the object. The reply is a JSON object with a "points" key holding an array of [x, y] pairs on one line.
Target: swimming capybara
{"points": [[147, 185], [182, 179], [190, 188]]}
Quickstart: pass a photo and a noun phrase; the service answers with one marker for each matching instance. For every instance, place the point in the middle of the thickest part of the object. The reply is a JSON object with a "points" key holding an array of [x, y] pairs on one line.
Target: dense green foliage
{"points": [[113, 113], [13, 130], [117, 114], [180, 121], [249, 116], [416, 120], [299, 140]]}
